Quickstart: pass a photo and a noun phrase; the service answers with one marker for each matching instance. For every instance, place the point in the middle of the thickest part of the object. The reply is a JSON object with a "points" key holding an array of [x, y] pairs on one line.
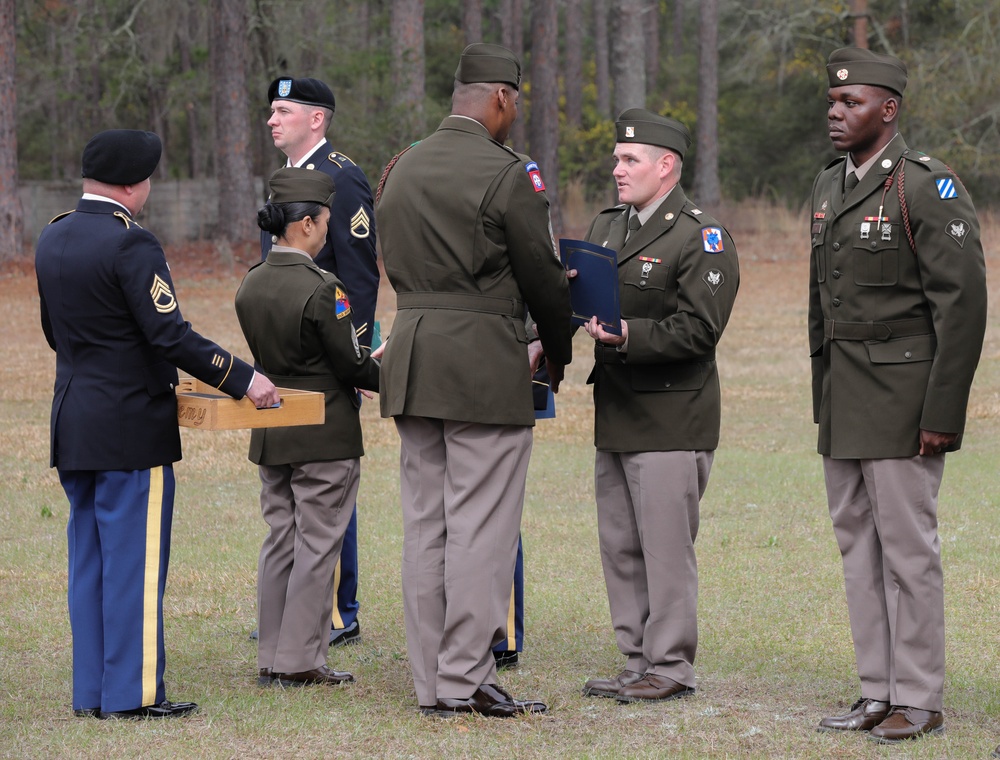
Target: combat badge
{"points": [[536, 176], [163, 297], [343, 305], [958, 230], [714, 279], [711, 238], [361, 223]]}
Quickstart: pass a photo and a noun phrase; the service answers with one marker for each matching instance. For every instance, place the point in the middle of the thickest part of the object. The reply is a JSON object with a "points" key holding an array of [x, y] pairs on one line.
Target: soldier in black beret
{"points": [[897, 314], [302, 110], [110, 312]]}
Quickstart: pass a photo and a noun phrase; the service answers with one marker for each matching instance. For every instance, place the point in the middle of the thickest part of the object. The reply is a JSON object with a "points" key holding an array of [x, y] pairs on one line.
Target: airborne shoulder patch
{"points": [[535, 175]]}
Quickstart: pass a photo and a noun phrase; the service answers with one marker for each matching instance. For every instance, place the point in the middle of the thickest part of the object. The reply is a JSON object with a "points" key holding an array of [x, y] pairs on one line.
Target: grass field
{"points": [[775, 652]]}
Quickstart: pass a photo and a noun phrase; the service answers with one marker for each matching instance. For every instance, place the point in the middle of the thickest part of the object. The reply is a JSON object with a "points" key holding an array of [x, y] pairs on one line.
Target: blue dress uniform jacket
{"points": [[677, 277], [350, 246], [926, 304], [109, 311]]}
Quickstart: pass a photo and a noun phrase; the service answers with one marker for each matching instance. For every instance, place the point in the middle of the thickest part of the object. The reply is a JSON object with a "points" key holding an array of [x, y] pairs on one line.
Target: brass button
{"points": [[836, 302], [836, 246], [836, 273], [908, 354]]}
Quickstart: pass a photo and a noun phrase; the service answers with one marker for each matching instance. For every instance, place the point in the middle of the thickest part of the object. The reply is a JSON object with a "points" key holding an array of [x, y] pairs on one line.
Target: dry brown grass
{"points": [[775, 651]]}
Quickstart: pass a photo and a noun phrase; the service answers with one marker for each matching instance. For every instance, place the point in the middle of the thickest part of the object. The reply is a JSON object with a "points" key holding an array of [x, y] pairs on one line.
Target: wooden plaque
{"points": [[199, 405]]}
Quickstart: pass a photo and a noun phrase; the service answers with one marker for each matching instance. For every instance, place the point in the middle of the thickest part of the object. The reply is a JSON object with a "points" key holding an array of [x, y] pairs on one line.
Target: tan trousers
{"points": [[647, 522], [884, 514], [462, 492], [307, 508]]}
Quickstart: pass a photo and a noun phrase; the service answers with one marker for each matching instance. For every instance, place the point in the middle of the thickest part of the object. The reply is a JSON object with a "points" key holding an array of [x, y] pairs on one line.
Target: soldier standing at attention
{"points": [[301, 113], [109, 312], [467, 246], [897, 313], [657, 403]]}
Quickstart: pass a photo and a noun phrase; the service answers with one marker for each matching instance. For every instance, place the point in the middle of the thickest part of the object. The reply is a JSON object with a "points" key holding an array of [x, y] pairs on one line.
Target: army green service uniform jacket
{"points": [[895, 327], [677, 277], [297, 321], [467, 246]]}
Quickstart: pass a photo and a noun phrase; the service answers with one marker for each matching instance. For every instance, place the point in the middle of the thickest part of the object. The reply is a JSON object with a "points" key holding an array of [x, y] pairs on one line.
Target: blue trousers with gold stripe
{"points": [[515, 615], [119, 546], [345, 585]]}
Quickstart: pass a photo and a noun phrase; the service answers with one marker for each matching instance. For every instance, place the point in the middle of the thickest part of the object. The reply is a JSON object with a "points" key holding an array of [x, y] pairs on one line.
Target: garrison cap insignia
{"points": [[630, 131], [361, 223], [284, 88], [958, 230], [536, 176], [842, 74], [711, 238], [714, 279], [163, 297], [946, 188], [343, 305]]}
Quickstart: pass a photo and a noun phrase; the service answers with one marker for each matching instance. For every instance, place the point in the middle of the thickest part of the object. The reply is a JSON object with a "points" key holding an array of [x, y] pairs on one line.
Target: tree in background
{"points": [[406, 29], [237, 207], [543, 129], [706, 169], [10, 203], [628, 59]]}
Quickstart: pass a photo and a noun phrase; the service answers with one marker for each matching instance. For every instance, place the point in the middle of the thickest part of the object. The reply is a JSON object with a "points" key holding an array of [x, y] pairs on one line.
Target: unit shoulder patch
{"points": [[343, 307], [535, 175], [711, 238]]}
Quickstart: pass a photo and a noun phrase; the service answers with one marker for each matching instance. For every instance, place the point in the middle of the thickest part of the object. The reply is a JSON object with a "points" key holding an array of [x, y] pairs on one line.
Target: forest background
{"points": [[747, 76]]}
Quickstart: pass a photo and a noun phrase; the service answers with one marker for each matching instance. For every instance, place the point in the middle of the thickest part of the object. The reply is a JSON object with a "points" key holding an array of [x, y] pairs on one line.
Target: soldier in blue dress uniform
{"points": [[301, 112], [109, 311]]}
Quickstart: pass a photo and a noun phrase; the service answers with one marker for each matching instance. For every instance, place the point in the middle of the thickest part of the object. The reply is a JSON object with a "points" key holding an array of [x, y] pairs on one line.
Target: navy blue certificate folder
{"points": [[594, 290]]}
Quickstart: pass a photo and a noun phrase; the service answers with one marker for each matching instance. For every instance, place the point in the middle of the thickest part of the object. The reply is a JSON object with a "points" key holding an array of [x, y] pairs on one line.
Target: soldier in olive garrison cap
{"points": [[657, 405], [296, 318], [467, 246], [302, 111], [897, 314]]}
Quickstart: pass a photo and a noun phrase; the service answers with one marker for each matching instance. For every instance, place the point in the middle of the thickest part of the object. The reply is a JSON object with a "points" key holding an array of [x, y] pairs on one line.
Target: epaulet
{"points": [[57, 217], [835, 162], [340, 159], [129, 223], [696, 213], [928, 162]]}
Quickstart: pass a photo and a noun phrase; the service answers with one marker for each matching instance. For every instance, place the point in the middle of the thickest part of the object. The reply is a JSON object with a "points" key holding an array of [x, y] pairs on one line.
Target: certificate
{"points": [[594, 290]]}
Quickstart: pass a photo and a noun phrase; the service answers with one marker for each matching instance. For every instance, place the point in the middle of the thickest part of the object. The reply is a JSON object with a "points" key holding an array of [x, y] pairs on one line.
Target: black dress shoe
{"points": [[505, 659], [342, 636], [321, 675], [864, 715], [265, 677], [165, 709], [88, 712], [490, 701], [254, 634]]}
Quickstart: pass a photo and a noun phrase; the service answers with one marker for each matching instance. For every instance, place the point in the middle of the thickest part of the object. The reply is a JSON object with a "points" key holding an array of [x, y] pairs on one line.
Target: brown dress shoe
{"points": [[490, 701], [654, 688], [320, 675], [609, 687], [864, 715], [904, 723], [265, 677]]}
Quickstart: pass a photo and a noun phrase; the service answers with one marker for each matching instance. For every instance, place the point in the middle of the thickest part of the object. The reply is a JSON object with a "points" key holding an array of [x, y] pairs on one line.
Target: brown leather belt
{"points": [[896, 328], [507, 307]]}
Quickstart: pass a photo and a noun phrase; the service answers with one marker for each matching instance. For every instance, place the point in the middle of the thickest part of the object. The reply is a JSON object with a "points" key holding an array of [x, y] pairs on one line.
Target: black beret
{"points": [[121, 156], [860, 66], [296, 185], [308, 91], [637, 125], [481, 62]]}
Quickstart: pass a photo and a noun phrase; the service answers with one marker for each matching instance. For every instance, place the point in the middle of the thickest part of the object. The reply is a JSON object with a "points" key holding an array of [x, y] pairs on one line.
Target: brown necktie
{"points": [[850, 183]]}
